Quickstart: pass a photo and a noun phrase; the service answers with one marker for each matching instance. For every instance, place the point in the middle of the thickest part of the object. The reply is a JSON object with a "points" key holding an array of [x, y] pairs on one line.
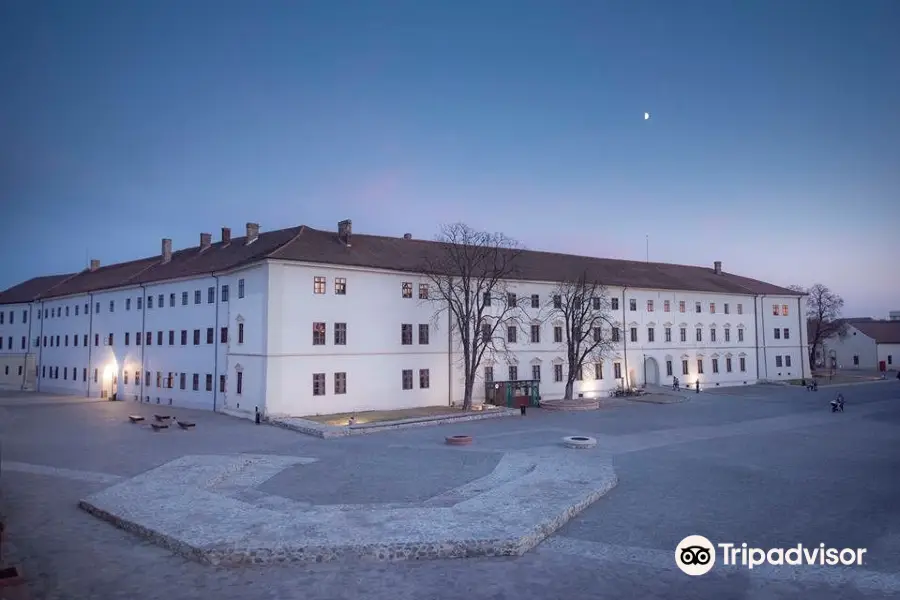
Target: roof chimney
{"points": [[345, 231], [407, 236], [205, 241], [226, 235], [717, 267], [252, 232], [95, 264], [166, 250]]}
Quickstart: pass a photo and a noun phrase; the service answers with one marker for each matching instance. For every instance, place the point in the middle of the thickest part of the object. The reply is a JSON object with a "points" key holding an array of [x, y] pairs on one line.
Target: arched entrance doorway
{"points": [[651, 371]]}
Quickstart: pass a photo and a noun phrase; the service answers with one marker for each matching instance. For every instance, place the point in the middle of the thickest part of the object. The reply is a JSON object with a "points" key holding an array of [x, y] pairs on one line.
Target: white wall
{"points": [[890, 354], [782, 358], [855, 344], [15, 346], [373, 358]]}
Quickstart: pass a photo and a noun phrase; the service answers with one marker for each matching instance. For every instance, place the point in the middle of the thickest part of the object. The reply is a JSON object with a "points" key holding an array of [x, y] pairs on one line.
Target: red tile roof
{"points": [[317, 246], [883, 332]]}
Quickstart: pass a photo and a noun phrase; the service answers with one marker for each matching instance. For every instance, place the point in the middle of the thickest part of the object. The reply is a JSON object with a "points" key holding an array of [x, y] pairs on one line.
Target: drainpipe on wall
{"points": [[624, 342], [218, 340], [28, 341], [765, 351], [803, 350], [143, 338], [41, 348], [90, 342]]}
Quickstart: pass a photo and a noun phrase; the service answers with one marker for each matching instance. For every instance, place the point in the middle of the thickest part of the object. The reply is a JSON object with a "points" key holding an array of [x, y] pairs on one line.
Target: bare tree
{"points": [[470, 271], [823, 315], [582, 305]]}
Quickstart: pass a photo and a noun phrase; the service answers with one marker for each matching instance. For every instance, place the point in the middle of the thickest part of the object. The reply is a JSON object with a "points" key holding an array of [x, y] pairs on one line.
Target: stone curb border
{"points": [[332, 431], [388, 552], [570, 405]]}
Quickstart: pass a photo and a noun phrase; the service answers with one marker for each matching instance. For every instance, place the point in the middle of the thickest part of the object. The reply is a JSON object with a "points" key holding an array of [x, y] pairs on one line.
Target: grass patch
{"points": [[380, 416]]}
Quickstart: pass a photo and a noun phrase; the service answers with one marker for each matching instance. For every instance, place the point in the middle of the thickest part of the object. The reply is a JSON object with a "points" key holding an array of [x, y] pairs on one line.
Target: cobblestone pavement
{"points": [[772, 468]]}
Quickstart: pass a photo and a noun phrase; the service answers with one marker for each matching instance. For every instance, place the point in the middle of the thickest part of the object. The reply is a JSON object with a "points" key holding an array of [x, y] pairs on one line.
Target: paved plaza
{"points": [[767, 465]]}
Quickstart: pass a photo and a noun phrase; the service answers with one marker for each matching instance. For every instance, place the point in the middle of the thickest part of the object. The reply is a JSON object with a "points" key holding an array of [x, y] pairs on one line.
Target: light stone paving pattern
{"points": [[200, 506], [74, 474]]}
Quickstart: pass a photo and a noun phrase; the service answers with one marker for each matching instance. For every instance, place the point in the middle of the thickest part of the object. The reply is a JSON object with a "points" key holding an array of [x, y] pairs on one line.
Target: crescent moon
{"points": [[646, 116]]}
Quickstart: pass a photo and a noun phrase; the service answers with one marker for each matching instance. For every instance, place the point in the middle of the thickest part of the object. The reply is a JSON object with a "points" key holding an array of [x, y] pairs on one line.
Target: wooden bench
{"points": [[186, 424], [162, 418], [158, 426], [135, 418]]}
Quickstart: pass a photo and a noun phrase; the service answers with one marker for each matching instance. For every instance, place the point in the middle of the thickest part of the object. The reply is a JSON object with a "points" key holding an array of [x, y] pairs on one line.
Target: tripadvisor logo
{"points": [[696, 555]]}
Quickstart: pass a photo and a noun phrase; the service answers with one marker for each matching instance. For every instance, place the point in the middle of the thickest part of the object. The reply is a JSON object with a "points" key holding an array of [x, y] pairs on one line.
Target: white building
{"points": [[303, 321], [868, 344]]}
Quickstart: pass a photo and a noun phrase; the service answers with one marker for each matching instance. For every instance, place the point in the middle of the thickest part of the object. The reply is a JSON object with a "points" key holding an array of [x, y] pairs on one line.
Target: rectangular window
{"points": [[614, 303], [96, 340], [96, 308], [182, 380], [340, 383], [699, 334], [65, 341], [424, 291], [489, 374], [632, 304], [727, 335], [513, 373], [649, 305], [535, 301], [633, 334], [318, 333], [209, 382], [740, 309], [557, 301], [172, 299], [776, 310], [511, 332], [340, 286], [224, 293], [598, 370], [171, 337], [210, 335], [196, 337], [668, 368], [406, 335], [615, 334], [109, 342], [240, 333], [406, 289], [715, 365], [96, 375], [127, 305], [668, 334], [423, 334], [712, 308], [124, 376], [486, 299], [557, 334], [535, 334], [511, 299], [787, 333], [778, 361], [184, 337], [682, 306], [726, 308], [579, 374], [784, 310], [159, 338], [787, 361], [727, 365], [424, 379], [536, 372], [184, 298], [340, 334], [223, 335], [598, 335], [651, 334], [198, 297], [486, 333], [596, 304], [239, 385], [777, 333], [137, 338], [147, 379], [684, 367], [742, 363], [149, 302], [240, 295], [667, 306], [557, 373], [195, 382], [319, 288], [698, 307], [617, 370], [700, 366], [740, 335], [210, 295], [222, 383], [407, 377], [712, 334]]}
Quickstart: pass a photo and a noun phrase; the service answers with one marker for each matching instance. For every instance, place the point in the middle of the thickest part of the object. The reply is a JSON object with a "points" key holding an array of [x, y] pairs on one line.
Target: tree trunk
{"points": [[570, 389], [467, 394]]}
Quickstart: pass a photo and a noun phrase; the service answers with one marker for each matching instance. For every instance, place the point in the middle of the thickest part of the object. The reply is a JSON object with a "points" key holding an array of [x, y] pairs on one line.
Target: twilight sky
{"points": [[774, 142]]}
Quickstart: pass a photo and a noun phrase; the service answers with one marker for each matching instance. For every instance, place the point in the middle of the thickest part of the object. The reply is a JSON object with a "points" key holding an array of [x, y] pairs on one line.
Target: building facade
{"points": [[303, 321], [868, 344]]}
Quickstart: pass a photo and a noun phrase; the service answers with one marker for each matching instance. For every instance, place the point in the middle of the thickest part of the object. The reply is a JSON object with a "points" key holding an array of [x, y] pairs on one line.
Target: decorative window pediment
{"points": [[488, 362], [558, 361], [669, 357], [700, 355], [634, 324], [726, 325], [667, 324], [536, 322], [684, 357], [740, 326], [742, 354], [714, 355], [512, 360], [239, 368], [651, 324], [558, 323], [728, 355], [698, 325], [239, 318], [683, 325], [712, 325], [536, 361]]}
